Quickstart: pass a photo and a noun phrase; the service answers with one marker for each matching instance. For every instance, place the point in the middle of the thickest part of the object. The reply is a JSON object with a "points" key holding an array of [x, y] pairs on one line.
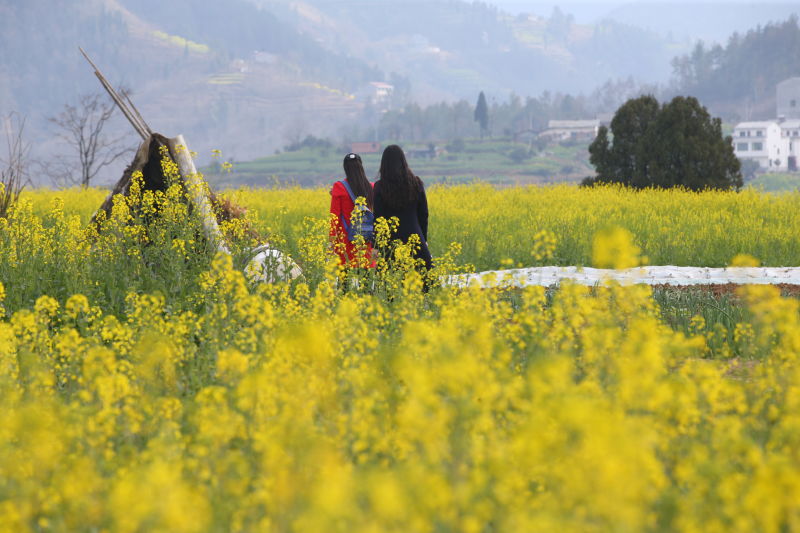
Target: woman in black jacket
{"points": [[400, 193]]}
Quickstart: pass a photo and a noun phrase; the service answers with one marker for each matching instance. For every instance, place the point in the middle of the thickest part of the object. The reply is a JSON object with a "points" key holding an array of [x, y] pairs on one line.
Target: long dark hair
{"points": [[357, 178], [399, 186]]}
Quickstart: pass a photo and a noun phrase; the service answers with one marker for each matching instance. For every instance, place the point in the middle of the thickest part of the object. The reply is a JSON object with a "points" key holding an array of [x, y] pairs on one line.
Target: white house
{"points": [[381, 94], [774, 144], [562, 130], [762, 142], [790, 131], [376, 93]]}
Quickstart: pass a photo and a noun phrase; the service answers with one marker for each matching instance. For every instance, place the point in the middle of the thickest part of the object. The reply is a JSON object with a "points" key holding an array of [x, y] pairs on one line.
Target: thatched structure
{"points": [[148, 161], [266, 265]]}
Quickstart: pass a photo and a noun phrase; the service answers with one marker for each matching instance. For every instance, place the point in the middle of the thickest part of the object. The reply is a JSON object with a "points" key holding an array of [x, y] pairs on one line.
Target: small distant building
{"points": [[788, 98], [565, 130], [773, 144], [365, 148], [377, 94], [381, 92], [431, 152]]}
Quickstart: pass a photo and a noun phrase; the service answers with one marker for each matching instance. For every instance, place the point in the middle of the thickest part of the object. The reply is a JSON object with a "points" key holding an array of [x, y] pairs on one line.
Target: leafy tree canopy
{"points": [[677, 144]]}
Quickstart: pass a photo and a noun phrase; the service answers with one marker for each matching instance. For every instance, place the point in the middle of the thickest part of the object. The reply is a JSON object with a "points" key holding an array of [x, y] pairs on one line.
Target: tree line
{"points": [[509, 118], [747, 68]]}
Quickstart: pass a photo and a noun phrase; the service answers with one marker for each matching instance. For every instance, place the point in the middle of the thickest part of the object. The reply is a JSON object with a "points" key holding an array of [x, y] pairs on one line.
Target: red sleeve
{"points": [[337, 209]]}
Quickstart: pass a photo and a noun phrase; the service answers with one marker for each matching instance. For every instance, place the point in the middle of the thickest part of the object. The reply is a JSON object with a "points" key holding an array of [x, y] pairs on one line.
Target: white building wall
{"points": [[790, 131], [762, 142]]}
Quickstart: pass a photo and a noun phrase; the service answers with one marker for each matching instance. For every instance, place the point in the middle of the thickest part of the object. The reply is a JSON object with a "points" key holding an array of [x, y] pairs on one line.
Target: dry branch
{"points": [[14, 164], [82, 127]]}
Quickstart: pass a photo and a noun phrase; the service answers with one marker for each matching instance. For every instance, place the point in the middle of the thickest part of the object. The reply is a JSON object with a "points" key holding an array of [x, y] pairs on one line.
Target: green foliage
{"points": [[456, 146], [309, 142], [482, 114], [619, 163], [749, 169], [748, 67], [519, 155], [509, 118], [473, 159], [776, 182], [684, 308], [674, 145]]}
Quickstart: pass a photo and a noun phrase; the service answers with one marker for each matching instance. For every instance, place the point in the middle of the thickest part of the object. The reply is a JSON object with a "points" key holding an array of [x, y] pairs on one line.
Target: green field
{"points": [[776, 182], [488, 161]]}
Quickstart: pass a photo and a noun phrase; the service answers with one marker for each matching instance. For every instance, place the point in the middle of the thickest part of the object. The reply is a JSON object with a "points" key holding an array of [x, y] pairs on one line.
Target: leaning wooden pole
{"points": [[136, 120], [195, 187], [196, 190]]}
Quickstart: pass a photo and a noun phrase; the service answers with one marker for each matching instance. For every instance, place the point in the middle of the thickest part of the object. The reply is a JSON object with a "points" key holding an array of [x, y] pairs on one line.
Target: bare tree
{"points": [[82, 127], [14, 163]]}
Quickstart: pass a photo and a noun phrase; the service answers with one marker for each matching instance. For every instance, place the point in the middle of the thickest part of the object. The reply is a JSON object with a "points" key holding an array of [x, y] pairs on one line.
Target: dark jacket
{"points": [[413, 220]]}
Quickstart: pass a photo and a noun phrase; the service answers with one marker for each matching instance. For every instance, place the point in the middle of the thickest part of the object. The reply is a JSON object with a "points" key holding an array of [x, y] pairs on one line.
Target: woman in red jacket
{"points": [[342, 208]]}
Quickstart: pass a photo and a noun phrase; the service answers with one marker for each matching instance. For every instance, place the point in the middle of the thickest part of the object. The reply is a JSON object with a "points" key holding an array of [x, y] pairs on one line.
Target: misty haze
{"points": [[252, 78]]}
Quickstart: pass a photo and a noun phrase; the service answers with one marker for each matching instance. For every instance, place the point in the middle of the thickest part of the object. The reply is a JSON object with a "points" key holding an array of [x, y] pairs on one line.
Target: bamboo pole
{"points": [[138, 123], [138, 115], [196, 190]]}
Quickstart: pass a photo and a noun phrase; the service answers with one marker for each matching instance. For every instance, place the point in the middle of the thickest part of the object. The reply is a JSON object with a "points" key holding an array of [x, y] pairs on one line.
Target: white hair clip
{"points": [[352, 156]]}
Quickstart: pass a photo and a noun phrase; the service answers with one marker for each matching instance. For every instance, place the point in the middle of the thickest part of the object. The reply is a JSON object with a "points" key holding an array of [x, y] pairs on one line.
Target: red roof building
{"points": [[365, 148]]}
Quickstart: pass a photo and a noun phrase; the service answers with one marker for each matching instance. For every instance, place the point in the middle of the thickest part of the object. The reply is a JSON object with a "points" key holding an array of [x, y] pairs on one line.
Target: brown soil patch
{"points": [[723, 289]]}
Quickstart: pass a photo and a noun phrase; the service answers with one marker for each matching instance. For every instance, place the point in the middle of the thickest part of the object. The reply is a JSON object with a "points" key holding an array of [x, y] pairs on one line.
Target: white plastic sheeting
{"points": [[270, 266], [650, 275]]}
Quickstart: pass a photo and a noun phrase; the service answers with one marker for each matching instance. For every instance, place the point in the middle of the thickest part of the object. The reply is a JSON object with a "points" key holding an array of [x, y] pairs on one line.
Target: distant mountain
{"points": [[227, 75], [238, 29], [708, 21], [251, 76], [453, 49]]}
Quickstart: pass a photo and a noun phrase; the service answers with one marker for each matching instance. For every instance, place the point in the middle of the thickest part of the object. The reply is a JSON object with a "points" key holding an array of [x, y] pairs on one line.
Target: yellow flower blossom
{"points": [[146, 384]]}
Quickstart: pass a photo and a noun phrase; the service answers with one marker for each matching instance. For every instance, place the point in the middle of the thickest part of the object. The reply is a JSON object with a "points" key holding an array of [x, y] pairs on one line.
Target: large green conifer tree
{"points": [[677, 144], [482, 114]]}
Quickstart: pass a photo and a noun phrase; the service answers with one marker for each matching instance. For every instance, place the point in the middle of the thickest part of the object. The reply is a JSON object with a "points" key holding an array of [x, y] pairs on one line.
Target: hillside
{"points": [[739, 79], [248, 29], [251, 76], [187, 76], [453, 49]]}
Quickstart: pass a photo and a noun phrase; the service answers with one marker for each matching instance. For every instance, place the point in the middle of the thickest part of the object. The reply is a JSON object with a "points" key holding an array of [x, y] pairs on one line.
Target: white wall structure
{"points": [[648, 275], [788, 98], [790, 131], [764, 143], [563, 130], [382, 92]]}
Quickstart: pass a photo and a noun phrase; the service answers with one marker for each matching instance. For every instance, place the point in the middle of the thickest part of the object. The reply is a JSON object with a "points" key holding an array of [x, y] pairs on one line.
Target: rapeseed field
{"points": [[147, 385], [497, 227]]}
